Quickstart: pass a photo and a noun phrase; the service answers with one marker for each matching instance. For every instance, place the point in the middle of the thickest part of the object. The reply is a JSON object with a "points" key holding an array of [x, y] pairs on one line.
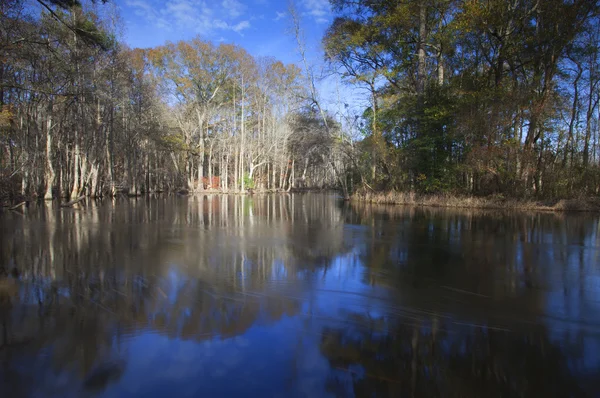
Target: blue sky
{"points": [[260, 26]]}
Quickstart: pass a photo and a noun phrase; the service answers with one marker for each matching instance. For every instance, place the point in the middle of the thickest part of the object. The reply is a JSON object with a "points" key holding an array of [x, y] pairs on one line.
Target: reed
{"points": [[493, 202]]}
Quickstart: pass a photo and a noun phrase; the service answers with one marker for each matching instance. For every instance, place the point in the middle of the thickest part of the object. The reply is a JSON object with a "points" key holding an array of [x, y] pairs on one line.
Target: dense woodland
{"points": [[82, 114], [474, 97]]}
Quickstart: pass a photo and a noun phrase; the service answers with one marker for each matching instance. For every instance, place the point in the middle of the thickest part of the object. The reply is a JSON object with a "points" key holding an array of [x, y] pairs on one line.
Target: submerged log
{"points": [[73, 202], [15, 207]]}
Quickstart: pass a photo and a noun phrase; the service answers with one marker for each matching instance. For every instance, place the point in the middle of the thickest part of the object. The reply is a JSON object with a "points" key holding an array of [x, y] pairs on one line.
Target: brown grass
{"points": [[414, 199]]}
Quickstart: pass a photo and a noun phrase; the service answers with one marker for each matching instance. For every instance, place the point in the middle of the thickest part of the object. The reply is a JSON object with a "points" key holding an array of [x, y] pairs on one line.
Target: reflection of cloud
{"points": [[198, 15]]}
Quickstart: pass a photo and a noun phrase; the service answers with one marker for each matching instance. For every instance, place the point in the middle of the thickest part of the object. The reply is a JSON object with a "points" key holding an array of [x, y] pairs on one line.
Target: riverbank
{"points": [[19, 200], [414, 199]]}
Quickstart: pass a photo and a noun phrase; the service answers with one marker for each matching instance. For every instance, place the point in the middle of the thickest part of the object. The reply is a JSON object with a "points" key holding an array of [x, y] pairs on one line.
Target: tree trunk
{"points": [[421, 61], [588, 125], [110, 169], [200, 182], [574, 111], [236, 171], [94, 181], [50, 175], [242, 129], [225, 170], [291, 180], [75, 189], [210, 170]]}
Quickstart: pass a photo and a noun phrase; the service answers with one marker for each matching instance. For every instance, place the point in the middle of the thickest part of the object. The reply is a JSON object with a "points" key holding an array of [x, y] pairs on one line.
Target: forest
{"points": [[83, 115], [463, 97]]}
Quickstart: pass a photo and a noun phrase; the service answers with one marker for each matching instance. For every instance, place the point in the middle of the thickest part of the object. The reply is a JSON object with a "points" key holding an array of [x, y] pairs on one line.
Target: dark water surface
{"points": [[297, 296]]}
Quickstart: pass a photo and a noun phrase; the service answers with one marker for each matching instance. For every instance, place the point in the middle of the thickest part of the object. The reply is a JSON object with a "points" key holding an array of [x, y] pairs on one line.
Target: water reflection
{"points": [[297, 295]]}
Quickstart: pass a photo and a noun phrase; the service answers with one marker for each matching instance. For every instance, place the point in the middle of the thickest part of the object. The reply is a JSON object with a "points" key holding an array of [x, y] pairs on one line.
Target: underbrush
{"points": [[492, 202]]}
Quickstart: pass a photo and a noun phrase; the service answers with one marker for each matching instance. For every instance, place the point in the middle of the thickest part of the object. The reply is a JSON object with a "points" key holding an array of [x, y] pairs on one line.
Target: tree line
{"points": [[478, 97], [84, 115], [475, 97]]}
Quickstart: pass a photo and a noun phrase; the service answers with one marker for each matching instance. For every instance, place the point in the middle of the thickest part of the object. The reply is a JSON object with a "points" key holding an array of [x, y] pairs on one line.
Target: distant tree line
{"points": [[83, 115], [465, 96], [474, 96]]}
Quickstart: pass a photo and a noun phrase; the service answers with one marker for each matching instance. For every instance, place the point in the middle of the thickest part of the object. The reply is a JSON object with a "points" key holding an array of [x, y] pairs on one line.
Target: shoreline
{"points": [[22, 199], [590, 204]]}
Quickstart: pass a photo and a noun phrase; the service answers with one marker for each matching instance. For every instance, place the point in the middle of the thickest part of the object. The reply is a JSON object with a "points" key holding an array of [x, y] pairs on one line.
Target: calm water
{"points": [[297, 296]]}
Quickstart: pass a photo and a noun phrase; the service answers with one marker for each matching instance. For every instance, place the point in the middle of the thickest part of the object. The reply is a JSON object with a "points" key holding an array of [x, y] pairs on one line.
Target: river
{"points": [[296, 296]]}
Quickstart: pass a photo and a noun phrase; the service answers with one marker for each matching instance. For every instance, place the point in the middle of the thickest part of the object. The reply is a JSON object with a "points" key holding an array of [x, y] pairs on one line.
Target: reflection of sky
{"points": [[279, 355], [573, 303], [285, 356], [342, 288], [274, 360], [279, 359]]}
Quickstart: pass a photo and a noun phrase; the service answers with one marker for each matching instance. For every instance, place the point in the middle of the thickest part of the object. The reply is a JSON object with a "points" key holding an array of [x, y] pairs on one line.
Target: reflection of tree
{"points": [[409, 360], [199, 268], [83, 334], [190, 268], [505, 270], [500, 254]]}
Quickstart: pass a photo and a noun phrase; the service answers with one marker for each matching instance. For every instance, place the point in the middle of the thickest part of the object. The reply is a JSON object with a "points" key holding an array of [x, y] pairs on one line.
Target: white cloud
{"points": [[318, 9], [182, 11], [233, 7], [145, 10], [279, 15], [240, 26], [201, 16]]}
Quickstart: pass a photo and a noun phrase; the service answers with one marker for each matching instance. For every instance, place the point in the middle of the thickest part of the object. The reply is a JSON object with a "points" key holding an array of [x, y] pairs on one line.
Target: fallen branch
{"points": [[367, 185], [15, 207], [16, 170], [73, 202]]}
